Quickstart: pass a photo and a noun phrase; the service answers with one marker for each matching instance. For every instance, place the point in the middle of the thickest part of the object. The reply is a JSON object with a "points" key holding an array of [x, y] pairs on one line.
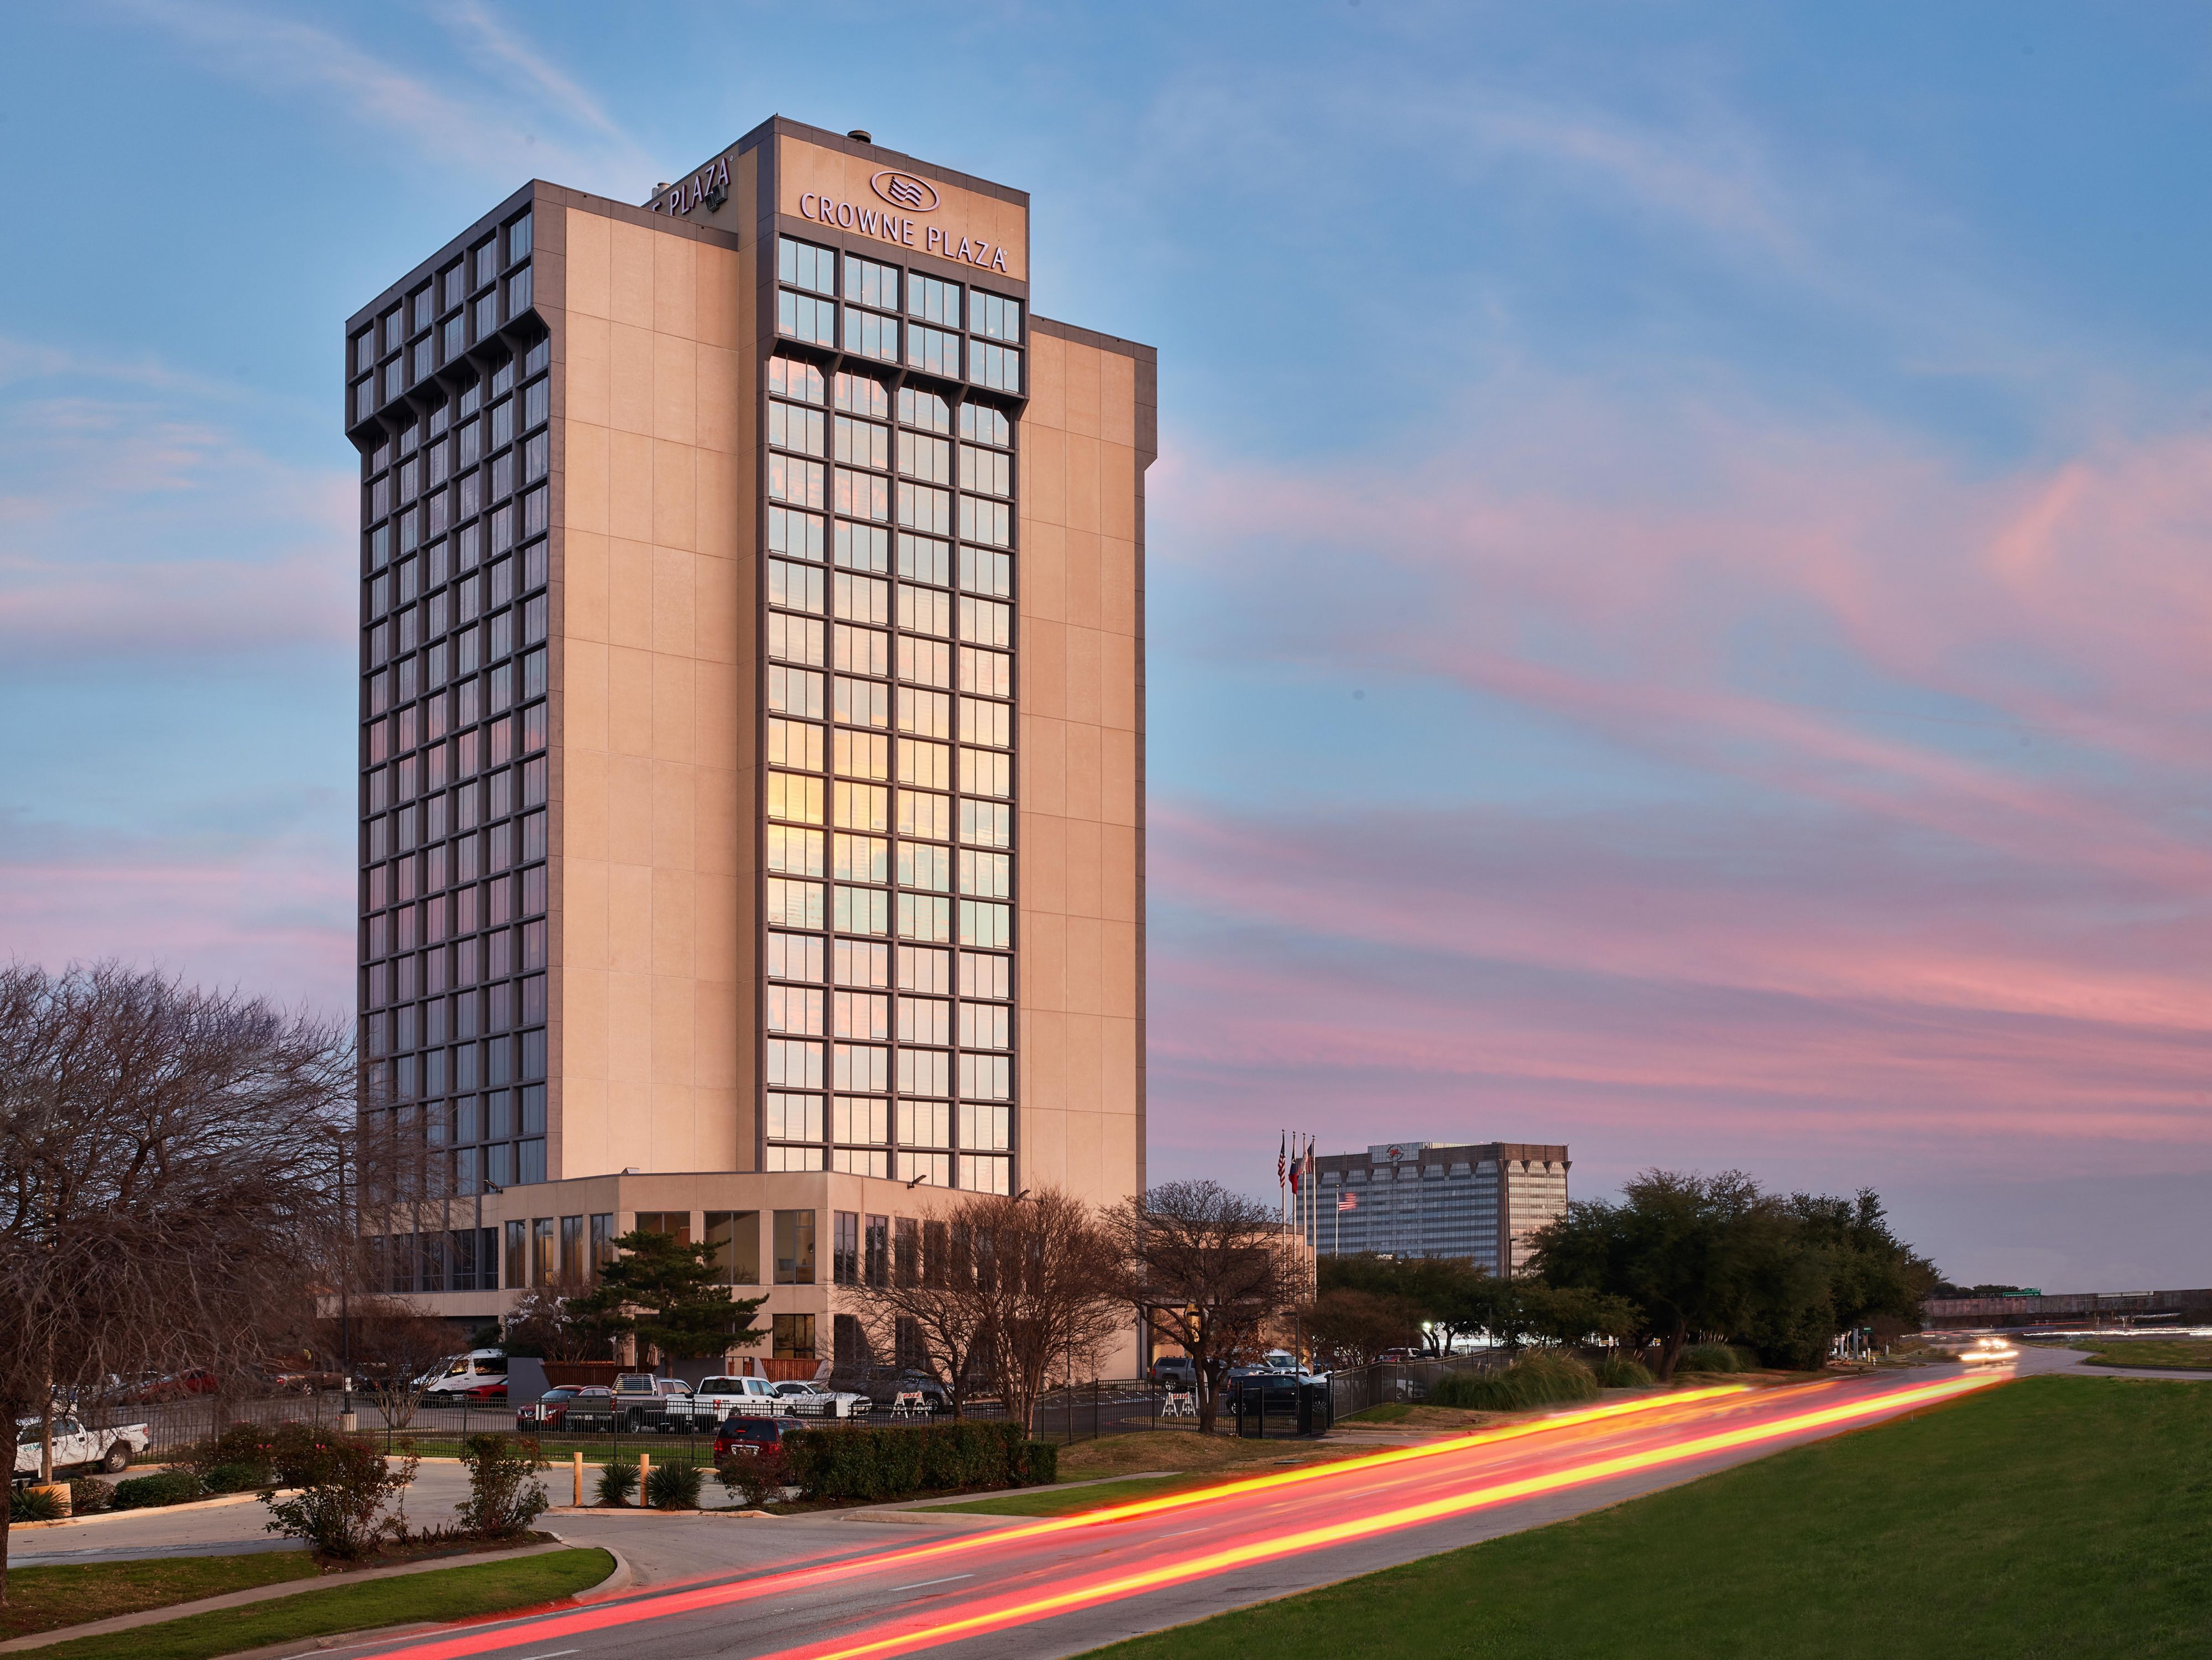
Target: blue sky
{"points": [[1677, 565]]}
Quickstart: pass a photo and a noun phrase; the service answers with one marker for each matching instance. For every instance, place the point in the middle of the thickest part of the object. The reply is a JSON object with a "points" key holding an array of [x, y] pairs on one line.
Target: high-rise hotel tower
{"points": [[753, 728]]}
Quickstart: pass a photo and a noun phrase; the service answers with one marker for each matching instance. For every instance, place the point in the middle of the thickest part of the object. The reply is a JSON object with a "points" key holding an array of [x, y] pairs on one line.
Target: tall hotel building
{"points": [[753, 728]]}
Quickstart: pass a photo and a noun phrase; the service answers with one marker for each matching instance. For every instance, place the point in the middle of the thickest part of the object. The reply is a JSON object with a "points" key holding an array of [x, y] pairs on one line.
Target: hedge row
{"points": [[892, 1461]]}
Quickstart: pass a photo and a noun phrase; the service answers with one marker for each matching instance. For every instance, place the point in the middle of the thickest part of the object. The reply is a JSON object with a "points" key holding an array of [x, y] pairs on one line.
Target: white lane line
{"points": [[551, 1654], [919, 1583]]}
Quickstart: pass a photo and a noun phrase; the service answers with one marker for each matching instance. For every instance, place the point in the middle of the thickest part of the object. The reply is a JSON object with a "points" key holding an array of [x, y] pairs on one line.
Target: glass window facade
{"points": [[892, 474], [454, 390]]}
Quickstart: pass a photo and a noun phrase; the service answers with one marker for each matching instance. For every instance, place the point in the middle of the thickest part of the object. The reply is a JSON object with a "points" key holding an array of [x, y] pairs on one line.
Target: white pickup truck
{"points": [[73, 1444]]}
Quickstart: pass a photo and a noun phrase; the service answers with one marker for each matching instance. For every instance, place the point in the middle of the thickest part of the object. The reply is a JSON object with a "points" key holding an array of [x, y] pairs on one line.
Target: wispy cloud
{"points": [[489, 125]]}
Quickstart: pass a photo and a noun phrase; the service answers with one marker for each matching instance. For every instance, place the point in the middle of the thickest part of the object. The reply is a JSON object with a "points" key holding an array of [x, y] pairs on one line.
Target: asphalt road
{"points": [[1028, 1589]]}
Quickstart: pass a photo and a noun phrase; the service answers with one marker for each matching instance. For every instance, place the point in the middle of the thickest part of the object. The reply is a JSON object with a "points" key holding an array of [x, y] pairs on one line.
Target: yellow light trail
{"points": [[1337, 1533]]}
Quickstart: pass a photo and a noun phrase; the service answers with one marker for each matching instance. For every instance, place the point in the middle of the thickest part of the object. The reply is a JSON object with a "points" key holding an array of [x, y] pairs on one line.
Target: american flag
{"points": [[1282, 1159], [1349, 1201]]}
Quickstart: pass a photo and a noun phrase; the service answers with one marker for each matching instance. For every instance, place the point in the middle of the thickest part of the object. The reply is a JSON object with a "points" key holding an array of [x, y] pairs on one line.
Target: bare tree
{"points": [[1207, 1269], [165, 1189], [396, 1350], [1018, 1290], [1044, 1277], [546, 1321]]}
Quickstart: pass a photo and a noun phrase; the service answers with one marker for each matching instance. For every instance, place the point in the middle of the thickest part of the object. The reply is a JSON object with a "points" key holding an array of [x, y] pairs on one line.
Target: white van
{"points": [[467, 1371]]}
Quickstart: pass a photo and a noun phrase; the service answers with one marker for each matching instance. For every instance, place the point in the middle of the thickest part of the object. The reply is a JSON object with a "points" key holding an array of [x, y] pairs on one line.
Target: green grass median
{"points": [[2049, 1516], [444, 1594], [42, 1599], [2172, 1353]]}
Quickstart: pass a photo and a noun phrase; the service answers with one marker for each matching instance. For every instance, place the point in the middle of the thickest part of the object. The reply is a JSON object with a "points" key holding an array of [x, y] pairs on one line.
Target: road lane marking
{"points": [[917, 1586]]}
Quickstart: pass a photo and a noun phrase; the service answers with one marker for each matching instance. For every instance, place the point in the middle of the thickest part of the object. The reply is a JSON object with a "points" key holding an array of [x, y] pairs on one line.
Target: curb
{"points": [[218, 1501], [295, 1588]]}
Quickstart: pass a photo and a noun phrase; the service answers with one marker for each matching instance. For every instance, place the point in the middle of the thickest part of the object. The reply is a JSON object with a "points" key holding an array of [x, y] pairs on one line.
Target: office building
{"points": [[752, 725], [1429, 1199]]}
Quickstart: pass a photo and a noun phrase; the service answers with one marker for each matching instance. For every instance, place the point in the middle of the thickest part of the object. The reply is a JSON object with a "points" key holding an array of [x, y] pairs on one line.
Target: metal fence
{"points": [[1406, 1382]]}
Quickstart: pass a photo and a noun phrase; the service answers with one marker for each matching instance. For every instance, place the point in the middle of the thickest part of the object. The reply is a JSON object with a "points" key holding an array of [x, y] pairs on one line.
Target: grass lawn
{"points": [[1186, 1449], [1410, 1415], [39, 1599], [447, 1594], [2049, 1516], [2193, 1354]]}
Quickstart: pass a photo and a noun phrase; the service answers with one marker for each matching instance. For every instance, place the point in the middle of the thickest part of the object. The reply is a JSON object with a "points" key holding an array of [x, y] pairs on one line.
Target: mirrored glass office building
{"points": [[1480, 1200], [751, 742]]}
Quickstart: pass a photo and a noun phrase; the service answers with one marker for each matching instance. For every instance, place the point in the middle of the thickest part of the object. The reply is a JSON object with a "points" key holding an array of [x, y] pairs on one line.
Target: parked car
{"points": [[1175, 1370], [885, 1385], [491, 1394], [465, 1372], [73, 1444], [550, 1409], [811, 1400], [747, 1436], [150, 1389], [640, 1402]]}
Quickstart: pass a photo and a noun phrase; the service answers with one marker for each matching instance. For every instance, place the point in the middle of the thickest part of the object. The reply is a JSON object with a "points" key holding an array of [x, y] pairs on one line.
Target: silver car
{"points": [[807, 1400]]}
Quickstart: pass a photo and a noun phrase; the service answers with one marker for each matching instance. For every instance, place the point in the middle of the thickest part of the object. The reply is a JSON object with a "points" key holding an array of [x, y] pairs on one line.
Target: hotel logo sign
{"points": [[908, 233], [904, 189]]}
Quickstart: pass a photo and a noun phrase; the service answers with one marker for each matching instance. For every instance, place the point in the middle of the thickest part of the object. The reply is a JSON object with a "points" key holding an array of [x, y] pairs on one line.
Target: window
{"points": [[868, 284], [799, 534], [603, 1240], [791, 427], [794, 1117], [990, 472], [995, 316], [934, 301], [930, 349], [864, 444], [876, 1236], [517, 1257], [541, 1251], [802, 265], [981, 424], [929, 460], [997, 366], [517, 240], [792, 1335], [792, 1065], [734, 1238], [869, 336], [794, 1263], [791, 377], [574, 1266], [845, 1250], [924, 410], [804, 319]]}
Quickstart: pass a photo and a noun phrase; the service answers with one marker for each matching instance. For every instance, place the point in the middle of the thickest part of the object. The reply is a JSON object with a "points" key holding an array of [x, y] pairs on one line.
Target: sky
{"points": [[1678, 599]]}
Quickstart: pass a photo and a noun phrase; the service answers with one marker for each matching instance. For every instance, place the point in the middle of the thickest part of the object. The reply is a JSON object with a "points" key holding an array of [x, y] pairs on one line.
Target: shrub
{"points": [[339, 1509], [674, 1486], [237, 1478], [32, 1505], [89, 1495], [1040, 1464], [1716, 1357], [757, 1480], [618, 1482], [1540, 1377], [505, 1495], [171, 1487], [1618, 1371], [887, 1463]]}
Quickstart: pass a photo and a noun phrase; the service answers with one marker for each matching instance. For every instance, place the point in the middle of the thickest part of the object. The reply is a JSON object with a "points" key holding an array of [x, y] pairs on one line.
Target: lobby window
{"points": [[675, 1224], [794, 1251], [792, 1336], [603, 1240], [541, 1251], [574, 1267], [518, 1262], [877, 1248], [846, 1248], [735, 1236]]}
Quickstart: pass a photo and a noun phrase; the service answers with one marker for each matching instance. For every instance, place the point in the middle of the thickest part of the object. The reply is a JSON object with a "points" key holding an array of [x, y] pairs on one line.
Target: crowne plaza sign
{"points": [[945, 221], [902, 190]]}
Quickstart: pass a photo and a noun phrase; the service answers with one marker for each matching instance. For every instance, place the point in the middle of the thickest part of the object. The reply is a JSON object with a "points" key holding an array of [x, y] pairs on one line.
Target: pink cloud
{"points": [[1927, 890]]}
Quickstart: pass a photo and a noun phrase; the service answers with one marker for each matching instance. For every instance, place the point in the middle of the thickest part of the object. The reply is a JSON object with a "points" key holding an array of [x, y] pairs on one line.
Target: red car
{"points": [[749, 1435], [171, 1386], [484, 1394], [552, 1407]]}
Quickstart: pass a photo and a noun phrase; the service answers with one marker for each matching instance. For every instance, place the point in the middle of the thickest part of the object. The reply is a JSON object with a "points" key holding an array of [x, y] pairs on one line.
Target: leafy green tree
{"points": [[669, 1294], [1688, 1251], [1449, 1294], [1351, 1328]]}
